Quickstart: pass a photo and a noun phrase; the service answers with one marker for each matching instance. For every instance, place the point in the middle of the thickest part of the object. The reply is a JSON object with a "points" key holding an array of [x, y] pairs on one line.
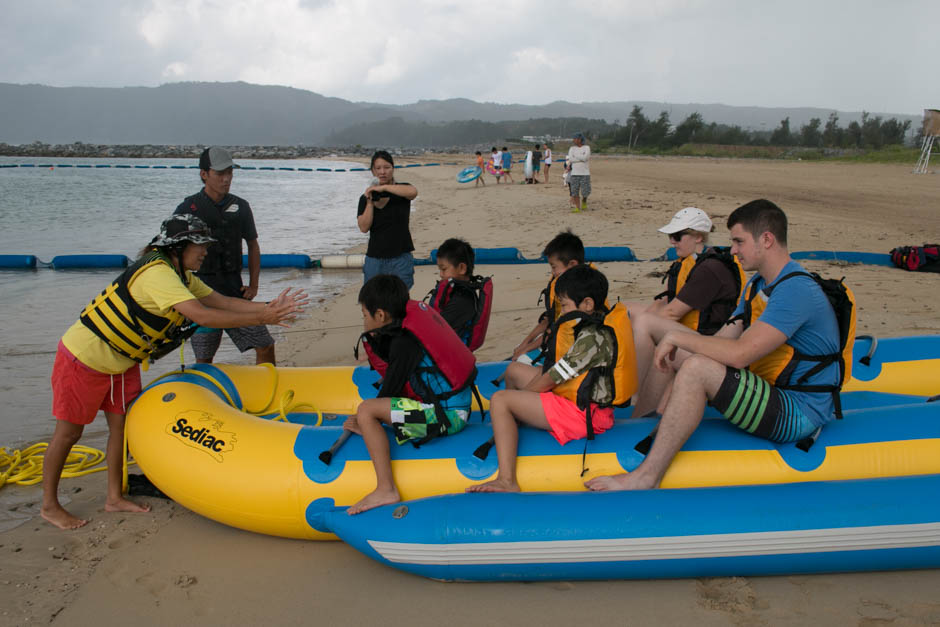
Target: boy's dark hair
{"points": [[581, 282], [537, 146], [457, 251], [761, 216], [566, 246], [479, 153], [505, 149], [381, 154], [494, 149], [386, 292]]}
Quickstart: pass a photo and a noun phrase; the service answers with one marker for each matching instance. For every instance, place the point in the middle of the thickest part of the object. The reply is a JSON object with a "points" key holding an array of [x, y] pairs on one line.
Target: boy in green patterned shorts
{"points": [[395, 349]]}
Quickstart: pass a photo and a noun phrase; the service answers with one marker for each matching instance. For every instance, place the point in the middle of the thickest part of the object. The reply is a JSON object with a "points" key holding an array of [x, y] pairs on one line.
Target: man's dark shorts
{"points": [[753, 404]]}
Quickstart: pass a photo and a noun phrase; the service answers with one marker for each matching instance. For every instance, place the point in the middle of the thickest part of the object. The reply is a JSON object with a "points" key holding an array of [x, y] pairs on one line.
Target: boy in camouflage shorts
{"points": [[545, 402]]}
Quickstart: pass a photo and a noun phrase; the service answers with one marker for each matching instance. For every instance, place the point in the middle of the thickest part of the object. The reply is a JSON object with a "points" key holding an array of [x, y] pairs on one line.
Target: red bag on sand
{"points": [[924, 258]]}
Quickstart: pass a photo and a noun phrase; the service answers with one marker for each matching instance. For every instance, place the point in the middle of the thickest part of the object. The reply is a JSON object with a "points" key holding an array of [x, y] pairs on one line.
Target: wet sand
{"points": [[173, 566]]}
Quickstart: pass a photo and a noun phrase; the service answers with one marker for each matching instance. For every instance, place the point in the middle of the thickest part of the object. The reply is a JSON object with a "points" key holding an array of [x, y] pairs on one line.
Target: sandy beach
{"points": [[175, 567]]}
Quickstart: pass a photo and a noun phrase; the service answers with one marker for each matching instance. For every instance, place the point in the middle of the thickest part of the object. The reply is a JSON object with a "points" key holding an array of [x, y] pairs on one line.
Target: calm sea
{"points": [[48, 212]]}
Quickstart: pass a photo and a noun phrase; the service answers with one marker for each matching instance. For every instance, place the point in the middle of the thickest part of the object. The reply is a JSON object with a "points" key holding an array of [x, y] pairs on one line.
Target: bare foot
{"points": [[124, 505], [374, 499], [624, 481], [61, 518], [496, 485]]}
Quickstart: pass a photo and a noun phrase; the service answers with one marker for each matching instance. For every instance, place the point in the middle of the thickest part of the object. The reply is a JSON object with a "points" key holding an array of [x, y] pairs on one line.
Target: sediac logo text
{"points": [[201, 431]]}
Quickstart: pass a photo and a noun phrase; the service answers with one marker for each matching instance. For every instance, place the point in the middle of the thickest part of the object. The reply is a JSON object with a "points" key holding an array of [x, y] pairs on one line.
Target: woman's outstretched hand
{"points": [[285, 307]]}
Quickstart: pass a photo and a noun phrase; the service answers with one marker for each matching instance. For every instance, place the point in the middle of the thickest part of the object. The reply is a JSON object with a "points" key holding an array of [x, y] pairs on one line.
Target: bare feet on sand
{"points": [[625, 481], [374, 499], [61, 518], [496, 485], [124, 505]]}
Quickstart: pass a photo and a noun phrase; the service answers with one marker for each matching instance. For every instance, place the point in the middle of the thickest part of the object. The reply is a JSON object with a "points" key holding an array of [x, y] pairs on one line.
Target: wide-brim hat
{"points": [[183, 228]]}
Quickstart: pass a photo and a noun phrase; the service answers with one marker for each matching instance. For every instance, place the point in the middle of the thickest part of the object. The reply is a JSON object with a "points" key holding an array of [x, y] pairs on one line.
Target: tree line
{"points": [[639, 131]]}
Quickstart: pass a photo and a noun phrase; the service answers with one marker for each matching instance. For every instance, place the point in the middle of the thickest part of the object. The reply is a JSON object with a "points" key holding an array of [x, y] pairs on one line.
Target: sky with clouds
{"points": [[879, 56]]}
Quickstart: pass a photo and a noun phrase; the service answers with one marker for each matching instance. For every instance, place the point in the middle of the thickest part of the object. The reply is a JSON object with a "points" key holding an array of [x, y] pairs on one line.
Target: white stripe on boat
{"points": [[665, 548]]}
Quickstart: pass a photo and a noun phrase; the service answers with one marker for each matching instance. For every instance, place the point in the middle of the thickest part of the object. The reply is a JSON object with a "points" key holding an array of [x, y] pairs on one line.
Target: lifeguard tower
{"points": [[931, 133]]}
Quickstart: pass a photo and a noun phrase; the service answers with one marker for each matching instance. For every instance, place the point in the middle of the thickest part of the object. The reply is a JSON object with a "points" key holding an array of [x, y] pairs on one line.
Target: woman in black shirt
{"points": [[384, 213]]}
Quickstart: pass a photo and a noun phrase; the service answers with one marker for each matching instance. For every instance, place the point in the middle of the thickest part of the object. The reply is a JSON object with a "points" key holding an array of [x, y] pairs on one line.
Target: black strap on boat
{"points": [[643, 446], [807, 443], [484, 449], [866, 359]]}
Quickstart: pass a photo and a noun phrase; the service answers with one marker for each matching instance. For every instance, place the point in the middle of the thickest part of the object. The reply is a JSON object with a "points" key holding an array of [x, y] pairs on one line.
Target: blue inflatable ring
{"points": [[469, 174]]}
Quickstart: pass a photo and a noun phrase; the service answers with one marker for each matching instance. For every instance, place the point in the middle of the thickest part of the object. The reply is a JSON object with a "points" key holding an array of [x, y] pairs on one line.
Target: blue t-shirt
{"points": [[799, 309], [507, 160]]}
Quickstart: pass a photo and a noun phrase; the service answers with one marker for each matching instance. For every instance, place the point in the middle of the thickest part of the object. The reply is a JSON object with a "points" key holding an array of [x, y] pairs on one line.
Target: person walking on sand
{"points": [[547, 157], [231, 221], [579, 173], [144, 314], [480, 164], [506, 158]]}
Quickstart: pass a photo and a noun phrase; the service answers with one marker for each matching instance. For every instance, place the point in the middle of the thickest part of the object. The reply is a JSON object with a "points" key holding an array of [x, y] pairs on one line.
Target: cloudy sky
{"points": [[841, 54]]}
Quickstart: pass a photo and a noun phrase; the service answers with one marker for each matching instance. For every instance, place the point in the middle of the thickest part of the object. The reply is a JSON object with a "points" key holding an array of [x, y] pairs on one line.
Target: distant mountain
{"points": [[246, 114]]}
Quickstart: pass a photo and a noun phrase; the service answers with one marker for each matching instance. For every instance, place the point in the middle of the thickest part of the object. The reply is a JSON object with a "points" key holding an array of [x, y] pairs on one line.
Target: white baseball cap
{"points": [[689, 218]]}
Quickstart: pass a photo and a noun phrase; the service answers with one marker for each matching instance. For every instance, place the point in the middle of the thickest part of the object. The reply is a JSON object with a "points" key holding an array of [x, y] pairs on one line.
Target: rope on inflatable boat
{"points": [[24, 467]]}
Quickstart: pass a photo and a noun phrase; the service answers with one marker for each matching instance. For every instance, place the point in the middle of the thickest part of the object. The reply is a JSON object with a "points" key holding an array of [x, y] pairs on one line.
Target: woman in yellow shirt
{"points": [[151, 308]]}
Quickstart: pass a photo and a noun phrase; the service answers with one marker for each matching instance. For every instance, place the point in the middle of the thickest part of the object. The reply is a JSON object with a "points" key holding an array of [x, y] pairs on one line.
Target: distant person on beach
{"points": [[506, 156], [588, 340], [482, 165], [406, 342], [496, 162], [536, 163], [145, 313], [564, 251], [579, 173], [548, 161], [702, 288], [756, 369], [463, 300], [231, 221], [385, 213]]}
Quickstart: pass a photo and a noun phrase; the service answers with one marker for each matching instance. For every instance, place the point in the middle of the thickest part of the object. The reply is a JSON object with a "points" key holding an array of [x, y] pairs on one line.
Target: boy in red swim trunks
{"points": [[548, 400]]}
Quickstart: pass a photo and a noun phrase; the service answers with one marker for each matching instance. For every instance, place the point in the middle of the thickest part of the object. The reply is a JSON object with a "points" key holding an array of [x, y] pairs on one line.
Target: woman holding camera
{"points": [[384, 213]]}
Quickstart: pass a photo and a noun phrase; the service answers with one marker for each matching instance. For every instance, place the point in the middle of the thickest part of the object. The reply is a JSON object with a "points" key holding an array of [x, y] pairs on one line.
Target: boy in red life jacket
{"points": [[427, 372], [462, 299], [596, 369], [564, 251]]}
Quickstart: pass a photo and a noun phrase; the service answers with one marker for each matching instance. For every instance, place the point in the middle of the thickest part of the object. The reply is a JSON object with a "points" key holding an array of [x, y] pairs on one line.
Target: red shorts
{"points": [[568, 422], [78, 392]]}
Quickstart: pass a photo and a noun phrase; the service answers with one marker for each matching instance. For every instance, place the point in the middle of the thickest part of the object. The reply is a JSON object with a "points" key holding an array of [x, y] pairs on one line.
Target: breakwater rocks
{"points": [[153, 151]]}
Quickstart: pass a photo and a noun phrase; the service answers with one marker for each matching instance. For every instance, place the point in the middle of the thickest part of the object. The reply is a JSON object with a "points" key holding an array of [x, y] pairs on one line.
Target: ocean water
{"points": [[48, 212]]}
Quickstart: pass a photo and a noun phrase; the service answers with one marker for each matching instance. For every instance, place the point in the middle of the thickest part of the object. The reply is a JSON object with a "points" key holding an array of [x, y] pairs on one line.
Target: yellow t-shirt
{"points": [[157, 289]]}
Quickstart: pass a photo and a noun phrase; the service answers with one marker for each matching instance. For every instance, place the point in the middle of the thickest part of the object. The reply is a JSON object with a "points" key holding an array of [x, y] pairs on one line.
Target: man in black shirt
{"points": [[231, 221]]}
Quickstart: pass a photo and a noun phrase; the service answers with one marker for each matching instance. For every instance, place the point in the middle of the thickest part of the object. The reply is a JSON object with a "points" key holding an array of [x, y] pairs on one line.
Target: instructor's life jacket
{"points": [[778, 367], [224, 221], [621, 377], [680, 273], [129, 329], [474, 333], [452, 366]]}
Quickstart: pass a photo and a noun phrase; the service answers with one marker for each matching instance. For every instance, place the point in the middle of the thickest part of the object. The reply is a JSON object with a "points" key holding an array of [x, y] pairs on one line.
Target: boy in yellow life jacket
{"points": [[146, 312], [564, 251], [775, 375], [703, 286], [571, 397]]}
